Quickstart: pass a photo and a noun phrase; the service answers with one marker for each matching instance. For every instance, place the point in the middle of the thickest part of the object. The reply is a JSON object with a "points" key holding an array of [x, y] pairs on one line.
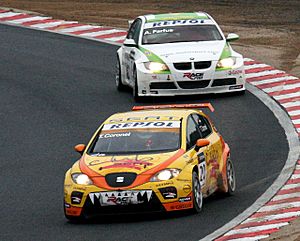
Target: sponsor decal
{"points": [[121, 197], [183, 180], [164, 184], [114, 135], [120, 179], [147, 118], [202, 168], [193, 76], [181, 206], [127, 162], [236, 87], [185, 199], [234, 72], [139, 125], [175, 22], [159, 31]]}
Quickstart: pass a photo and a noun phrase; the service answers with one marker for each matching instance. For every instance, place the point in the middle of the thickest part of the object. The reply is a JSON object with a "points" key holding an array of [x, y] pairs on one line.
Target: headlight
{"points": [[165, 174], [156, 67], [226, 63], [82, 179]]}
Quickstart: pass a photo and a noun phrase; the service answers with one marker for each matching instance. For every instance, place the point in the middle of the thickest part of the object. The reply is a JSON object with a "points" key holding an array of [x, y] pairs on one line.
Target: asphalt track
{"points": [[55, 91]]}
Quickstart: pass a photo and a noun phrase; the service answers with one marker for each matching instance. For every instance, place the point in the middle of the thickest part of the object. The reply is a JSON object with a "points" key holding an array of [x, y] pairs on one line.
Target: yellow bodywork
{"points": [[145, 166]]}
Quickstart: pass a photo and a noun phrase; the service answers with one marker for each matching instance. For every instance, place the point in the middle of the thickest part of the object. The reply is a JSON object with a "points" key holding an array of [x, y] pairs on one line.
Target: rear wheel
{"points": [[197, 193], [118, 77]]}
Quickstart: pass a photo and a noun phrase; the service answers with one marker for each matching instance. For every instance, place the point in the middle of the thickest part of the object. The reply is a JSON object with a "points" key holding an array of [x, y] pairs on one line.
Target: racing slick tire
{"points": [[135, 87], [120, 86], [230, 176], [197, 194]]}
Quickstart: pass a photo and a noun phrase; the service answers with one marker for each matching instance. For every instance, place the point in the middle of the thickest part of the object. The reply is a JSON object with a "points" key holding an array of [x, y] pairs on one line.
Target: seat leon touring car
{"points": [[152, 159]]}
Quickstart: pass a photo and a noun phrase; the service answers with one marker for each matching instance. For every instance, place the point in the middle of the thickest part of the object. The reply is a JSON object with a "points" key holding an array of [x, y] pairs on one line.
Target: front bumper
{"points": [[191, 82]]}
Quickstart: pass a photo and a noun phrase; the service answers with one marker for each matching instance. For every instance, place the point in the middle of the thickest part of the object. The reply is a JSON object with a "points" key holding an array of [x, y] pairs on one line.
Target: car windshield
{"points": [[173, 34], [137, 137]]}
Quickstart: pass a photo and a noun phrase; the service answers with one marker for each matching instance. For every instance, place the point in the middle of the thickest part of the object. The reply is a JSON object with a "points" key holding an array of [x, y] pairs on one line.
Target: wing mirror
{"points": [[232, 37], [130, 43], [201, 143], [80, 148]]}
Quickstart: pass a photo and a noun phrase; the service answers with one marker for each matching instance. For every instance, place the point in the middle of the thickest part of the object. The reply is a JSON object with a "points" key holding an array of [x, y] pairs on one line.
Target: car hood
{"points": [[185, 52], [103, 165]]}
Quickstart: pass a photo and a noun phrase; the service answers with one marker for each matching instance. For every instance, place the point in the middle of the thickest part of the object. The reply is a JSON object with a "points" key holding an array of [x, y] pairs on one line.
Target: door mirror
{"points": [[80, 148], [201, 143], [130, 43], [232, 37]]}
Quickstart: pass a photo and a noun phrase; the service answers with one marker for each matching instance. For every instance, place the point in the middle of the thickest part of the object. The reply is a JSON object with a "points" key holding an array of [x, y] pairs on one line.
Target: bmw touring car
{"points": [[178, 54], [152, 159]]}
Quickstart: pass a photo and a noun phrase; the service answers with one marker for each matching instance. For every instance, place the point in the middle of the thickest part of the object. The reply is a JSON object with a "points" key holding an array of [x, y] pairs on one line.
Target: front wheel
{"points": [[120, 86], [230, 175], [135, 89], [197, 193]]}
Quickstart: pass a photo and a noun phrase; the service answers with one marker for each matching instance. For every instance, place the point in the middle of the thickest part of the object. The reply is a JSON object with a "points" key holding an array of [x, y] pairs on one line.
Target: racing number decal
{"points": [[202, 168]]}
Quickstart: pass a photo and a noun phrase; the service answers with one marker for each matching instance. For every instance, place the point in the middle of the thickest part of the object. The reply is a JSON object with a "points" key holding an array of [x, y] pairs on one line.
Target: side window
{"points": [[203, 125], [134, 30], [192, 133]]}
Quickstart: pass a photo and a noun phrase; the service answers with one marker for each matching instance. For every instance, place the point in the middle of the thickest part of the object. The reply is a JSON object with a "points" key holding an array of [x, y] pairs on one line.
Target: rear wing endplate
{"points": [[183, 106]]}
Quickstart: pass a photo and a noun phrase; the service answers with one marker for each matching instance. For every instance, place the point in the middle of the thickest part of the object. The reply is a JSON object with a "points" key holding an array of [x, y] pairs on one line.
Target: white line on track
{"points": [[291, 95], [9, 14], [291, 104], [29, 19], [279, 206], [99, 33], [286, 196], [273, 217], [51, 24], [256, 229], [263, 73], [78, 28], [273, 80], [255, 238], [254, 66], [282, 87], [290, 186]]}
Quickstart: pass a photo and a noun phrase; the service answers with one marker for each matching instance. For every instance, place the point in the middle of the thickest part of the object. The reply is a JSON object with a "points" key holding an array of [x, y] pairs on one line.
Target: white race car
{"points": [[178, 54]]}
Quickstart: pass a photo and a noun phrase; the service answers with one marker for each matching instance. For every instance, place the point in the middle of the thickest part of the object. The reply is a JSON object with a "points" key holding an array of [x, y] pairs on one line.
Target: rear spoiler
{"points": [[184, 106]]}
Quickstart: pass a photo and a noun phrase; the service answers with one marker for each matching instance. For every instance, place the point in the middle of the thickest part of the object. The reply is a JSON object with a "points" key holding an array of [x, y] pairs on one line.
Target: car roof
{"points": [[175, 16], [151, 115]]}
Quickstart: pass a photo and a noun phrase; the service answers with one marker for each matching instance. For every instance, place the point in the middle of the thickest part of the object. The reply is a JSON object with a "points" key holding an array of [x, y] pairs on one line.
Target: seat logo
{"points": [[120, 179]]}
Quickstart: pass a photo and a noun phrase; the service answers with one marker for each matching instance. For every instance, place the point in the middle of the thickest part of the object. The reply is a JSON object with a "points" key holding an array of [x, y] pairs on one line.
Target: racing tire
{"points": [[230, 176], [135, 87], [118, 78], [197, 194]]}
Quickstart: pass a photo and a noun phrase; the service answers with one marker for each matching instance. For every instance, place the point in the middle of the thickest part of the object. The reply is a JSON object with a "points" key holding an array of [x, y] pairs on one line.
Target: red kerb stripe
{"points": [[256, 224], [257, 70], [265, 77]]}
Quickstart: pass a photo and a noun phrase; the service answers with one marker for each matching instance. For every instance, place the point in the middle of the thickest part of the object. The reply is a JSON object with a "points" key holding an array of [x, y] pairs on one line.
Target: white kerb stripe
{"points": [[279, 206], [263, 73], [255, 238], [116, 38], [273, 80], [295, 176], [297, 167], [51, 24], [24, 20], [286, 196], [291, 104], [282, 87], [294, 112], [9, 14], [99, 33], [290, 186], [298, 130], [296, 122], [248, 60], [273, 217], [254, 66], [256, 229], [78, 28], [281, 97]]}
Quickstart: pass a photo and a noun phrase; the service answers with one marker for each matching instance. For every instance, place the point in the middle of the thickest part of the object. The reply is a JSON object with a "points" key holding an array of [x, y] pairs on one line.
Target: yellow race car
{"points": [[153, 158]]}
